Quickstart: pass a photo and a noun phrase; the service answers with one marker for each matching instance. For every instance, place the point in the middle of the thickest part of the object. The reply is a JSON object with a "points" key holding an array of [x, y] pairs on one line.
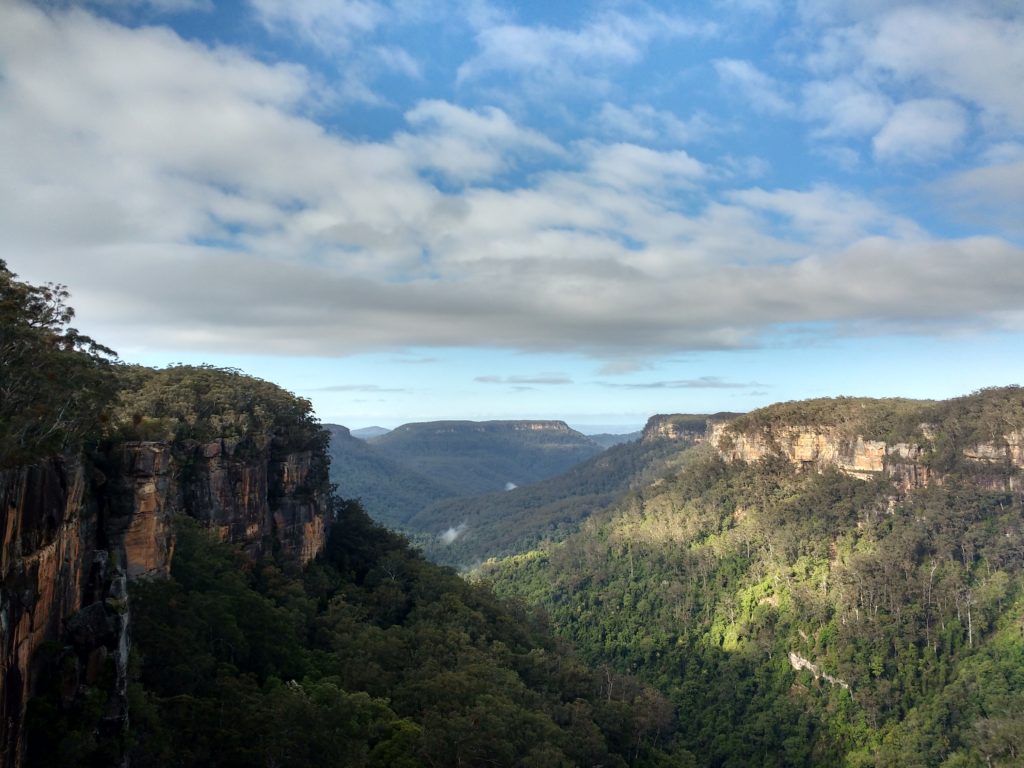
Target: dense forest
{"points": [[367, 656], [389, 491], [371, 656], [664, 606], [473, 457], [805, 618], [498, 524]]}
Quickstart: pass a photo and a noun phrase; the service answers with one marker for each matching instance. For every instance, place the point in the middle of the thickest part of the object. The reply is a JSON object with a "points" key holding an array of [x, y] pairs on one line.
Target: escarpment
{"points": [[978, 436], [78, 527], [682, 427]]}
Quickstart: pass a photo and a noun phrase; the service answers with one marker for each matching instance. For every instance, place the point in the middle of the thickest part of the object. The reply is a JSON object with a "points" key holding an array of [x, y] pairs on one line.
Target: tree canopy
{"points": [[56, 384]]}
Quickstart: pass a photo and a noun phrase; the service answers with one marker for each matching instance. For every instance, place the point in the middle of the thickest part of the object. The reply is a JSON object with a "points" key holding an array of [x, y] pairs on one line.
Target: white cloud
{"points": [[556, 57], [992, 194], [191, 204], [846, 107], [643, 122], [451, 534], [761, 91], [629, 167], [975, 58], [331, 25], [159, 6], [921, 130], [826, 215], [467, 145]]}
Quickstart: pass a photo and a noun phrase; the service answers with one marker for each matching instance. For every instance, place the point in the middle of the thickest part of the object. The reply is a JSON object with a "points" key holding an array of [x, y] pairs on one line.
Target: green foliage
{"points": [[373, 657], [480, 457], [186, 402], [389, 492], [508, 522], [55, 383], [705, 583], [890, 419]]}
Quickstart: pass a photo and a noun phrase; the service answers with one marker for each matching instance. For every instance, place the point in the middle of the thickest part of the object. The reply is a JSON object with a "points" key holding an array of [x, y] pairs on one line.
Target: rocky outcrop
{"points": [[57, 582], [676, 427], [798, 662], [141, 502], [803, 447], [908, 464], [1007, 452], [74, 535]]}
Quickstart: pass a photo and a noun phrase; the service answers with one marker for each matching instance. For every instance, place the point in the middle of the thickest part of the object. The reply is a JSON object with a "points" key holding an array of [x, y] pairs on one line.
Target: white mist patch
{"points": [[453, 533], [510, 486]]}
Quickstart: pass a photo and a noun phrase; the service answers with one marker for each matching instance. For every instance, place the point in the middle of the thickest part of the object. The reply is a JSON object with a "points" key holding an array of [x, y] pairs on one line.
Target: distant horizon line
{"points": [[621, 428]]}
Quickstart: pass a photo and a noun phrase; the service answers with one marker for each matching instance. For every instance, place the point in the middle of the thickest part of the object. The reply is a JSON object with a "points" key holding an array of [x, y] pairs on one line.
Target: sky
{"points": [[589, 211]]}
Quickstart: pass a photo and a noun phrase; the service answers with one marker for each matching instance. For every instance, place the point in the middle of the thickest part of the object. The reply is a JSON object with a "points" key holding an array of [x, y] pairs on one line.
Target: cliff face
{"points": [[675, 427], [73, 535], [58, 585], [907, 464]]}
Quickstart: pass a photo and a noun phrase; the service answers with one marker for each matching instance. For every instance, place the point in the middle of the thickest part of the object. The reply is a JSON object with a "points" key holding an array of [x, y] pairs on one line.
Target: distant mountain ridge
{"points": [[389, 491], [836, 581], [365, 433], [503, 523], [473, 457]]}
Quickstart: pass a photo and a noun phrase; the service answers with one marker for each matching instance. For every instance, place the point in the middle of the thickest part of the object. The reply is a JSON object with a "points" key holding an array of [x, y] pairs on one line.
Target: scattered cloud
{"points": [[206, 165], [704, 382], [827, 215], [468, 145], [763, 93], [643, 122], [845, 107], [330, 25], [158, 6], [554, 57], [630, 166], [990, 195], [921, 130], [524, 380], [968, 53], [357, 388]]}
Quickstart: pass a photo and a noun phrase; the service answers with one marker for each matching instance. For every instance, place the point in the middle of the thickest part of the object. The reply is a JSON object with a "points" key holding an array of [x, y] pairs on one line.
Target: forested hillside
{"points": [[507, 522], [796, 614], [169, 596], [484, 456], [389, 492]]}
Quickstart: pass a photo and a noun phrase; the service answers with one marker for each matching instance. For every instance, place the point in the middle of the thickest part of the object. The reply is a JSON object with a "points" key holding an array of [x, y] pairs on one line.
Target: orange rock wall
{"points": [[72, 536], [43, 562], [817, 448]]}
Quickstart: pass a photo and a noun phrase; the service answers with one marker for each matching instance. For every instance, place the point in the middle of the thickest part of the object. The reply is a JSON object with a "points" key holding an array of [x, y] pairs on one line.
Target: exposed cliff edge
{"points": [[689, 427], [78, 527], [912, 442]]}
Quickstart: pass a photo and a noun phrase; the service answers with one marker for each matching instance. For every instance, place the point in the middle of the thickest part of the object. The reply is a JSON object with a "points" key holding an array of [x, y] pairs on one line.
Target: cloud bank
{"points": [[196, 197]]}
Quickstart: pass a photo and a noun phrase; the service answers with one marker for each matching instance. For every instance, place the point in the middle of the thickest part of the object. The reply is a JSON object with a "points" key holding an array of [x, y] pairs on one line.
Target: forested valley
{"points": [[834, 582], [183, 587], [803, 617]]}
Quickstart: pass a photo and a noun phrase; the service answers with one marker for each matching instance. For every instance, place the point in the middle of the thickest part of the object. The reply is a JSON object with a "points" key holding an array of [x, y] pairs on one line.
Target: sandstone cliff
{"points": [[929, 451], [689, 427], [74, 532]]}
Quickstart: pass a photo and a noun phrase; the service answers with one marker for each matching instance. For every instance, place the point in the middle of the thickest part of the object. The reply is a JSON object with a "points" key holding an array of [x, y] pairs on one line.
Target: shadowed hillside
{"points": [[479, 457]]}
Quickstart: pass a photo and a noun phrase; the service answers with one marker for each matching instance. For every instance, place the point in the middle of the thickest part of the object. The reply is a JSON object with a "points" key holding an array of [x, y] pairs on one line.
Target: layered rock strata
{"points": [[74, 535], [907, 464]]}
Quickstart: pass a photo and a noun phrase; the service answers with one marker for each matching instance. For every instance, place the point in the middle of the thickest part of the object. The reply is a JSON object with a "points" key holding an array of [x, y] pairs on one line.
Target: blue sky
{"points": [[590, 211]]}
